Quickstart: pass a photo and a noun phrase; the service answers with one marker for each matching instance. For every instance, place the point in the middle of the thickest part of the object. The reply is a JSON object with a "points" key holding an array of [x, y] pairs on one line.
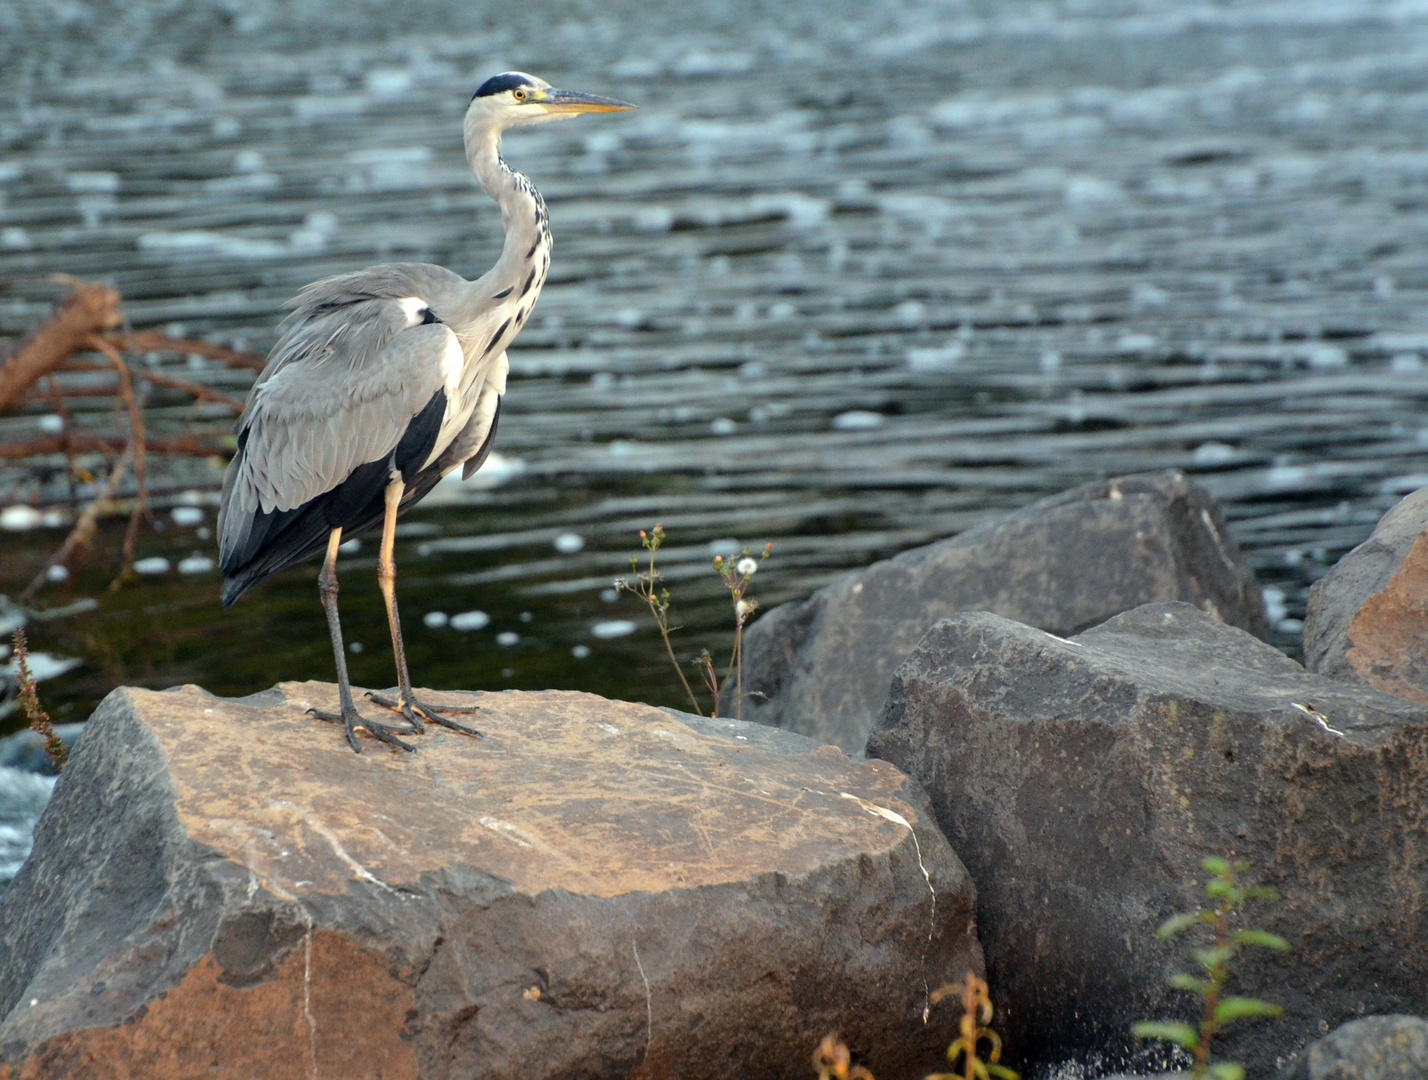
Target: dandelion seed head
{"points": [[746, 566]]}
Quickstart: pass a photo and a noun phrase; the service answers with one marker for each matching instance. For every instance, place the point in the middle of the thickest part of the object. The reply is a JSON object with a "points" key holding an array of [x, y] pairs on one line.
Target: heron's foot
{"points": [[414, 712], [352, 720]]}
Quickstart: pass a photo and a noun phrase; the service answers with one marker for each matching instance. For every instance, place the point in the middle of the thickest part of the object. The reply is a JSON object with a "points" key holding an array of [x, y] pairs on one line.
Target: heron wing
{"points": [[473, 442], [342, 389]]}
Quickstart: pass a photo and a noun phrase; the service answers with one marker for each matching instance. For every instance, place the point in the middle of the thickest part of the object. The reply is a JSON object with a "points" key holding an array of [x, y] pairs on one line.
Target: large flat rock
{"points": [[221, 888], [822, 666], [1083, 781], [1367, 619]]}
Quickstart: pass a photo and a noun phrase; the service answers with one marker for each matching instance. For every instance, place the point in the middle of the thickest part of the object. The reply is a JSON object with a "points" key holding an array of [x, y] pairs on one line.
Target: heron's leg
{"points": [[349, 716], [405, 702]]}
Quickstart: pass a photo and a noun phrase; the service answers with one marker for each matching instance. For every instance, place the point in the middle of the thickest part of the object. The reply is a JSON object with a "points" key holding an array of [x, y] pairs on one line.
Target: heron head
{"points": [[513, 97]]}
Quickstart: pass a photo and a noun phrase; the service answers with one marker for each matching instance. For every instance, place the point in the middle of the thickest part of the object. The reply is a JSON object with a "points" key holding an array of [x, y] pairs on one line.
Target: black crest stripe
{"points": [[499, 84]]}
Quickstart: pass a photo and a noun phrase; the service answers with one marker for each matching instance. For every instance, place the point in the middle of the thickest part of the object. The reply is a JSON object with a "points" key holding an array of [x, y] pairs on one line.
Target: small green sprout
{"points": [[973, 1030], [833, 1061], [1227, 894]]}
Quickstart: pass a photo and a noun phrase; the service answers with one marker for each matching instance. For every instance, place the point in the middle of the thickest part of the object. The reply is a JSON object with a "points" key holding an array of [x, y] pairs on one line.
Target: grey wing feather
{"points": [[338, 391]]}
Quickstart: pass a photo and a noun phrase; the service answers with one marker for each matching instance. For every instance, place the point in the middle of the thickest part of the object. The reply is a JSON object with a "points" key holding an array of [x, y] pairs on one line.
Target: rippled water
{"points": [[854, 278]]}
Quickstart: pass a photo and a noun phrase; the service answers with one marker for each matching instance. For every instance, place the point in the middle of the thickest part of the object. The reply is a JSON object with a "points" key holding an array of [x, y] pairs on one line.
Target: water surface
{"points": [[854, 278]]}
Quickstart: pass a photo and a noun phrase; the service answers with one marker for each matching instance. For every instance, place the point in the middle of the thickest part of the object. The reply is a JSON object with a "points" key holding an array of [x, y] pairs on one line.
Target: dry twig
{"points": [[153, 341], [137, 436], [89, 309], [83, 531], [198, 390], [186, 445]]}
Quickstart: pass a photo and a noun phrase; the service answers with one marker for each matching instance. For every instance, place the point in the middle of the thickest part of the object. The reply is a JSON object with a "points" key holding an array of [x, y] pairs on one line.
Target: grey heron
{"points": [[381, 383]]}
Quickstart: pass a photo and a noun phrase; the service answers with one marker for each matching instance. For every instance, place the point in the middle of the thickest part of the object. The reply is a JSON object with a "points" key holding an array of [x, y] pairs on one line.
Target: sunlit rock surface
{"points": [[822, 666], [1368, 617], [1083, 782], [222, 888]]}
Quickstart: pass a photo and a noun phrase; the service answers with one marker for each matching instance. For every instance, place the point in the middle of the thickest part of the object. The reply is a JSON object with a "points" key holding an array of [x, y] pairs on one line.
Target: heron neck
{"points": [[522, 210]]}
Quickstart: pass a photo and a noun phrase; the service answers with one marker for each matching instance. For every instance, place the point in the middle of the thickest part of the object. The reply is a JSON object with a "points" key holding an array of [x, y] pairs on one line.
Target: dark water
{"points": [[855, 277]]}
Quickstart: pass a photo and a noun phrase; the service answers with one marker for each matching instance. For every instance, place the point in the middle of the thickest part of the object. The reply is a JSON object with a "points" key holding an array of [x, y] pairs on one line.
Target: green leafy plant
{"points": [[30, 701], [1227, 894], [736, 575]]}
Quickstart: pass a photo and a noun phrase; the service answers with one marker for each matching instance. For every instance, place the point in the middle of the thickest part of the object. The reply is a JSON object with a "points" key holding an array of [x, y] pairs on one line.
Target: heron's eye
{"points": [[519, 93]]}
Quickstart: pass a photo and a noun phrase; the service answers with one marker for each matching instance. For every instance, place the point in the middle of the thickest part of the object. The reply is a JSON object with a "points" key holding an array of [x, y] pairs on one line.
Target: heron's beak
{"points": [[565, 102]]}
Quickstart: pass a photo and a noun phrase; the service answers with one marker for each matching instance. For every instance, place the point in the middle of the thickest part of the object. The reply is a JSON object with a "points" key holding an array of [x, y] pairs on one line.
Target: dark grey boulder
{"points": [[1373, 1048], [1367, 619], [597, 889], [1083, 781], [822, 666]]}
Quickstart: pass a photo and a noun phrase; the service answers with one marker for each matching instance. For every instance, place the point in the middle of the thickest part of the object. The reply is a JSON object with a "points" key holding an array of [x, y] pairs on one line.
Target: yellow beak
{"points": [[569, 101]]}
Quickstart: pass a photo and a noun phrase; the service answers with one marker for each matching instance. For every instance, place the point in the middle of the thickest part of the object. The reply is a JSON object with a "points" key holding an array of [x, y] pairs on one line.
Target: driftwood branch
{"points": [[158, 378], [66, 429], [136, 442], [83, 531], [88, 321], [198, 390], [89, 309], [184, 445], [153, 341]]}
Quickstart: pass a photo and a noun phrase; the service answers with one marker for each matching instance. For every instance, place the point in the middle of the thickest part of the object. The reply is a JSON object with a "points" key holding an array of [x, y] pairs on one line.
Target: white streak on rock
{"points": [[1315, 714], [506, 829], [649, 1006], [307, 994], [360, 871], [897, 819]]}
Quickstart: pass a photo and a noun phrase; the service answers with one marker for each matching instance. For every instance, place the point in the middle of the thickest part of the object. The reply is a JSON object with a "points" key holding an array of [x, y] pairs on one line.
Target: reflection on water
{"points": [[852, 279]]}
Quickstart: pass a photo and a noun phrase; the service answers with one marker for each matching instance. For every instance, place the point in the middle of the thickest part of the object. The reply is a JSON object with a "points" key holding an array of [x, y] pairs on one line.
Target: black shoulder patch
{"points": [[419, 438], [428, 316], [499, 84]]}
